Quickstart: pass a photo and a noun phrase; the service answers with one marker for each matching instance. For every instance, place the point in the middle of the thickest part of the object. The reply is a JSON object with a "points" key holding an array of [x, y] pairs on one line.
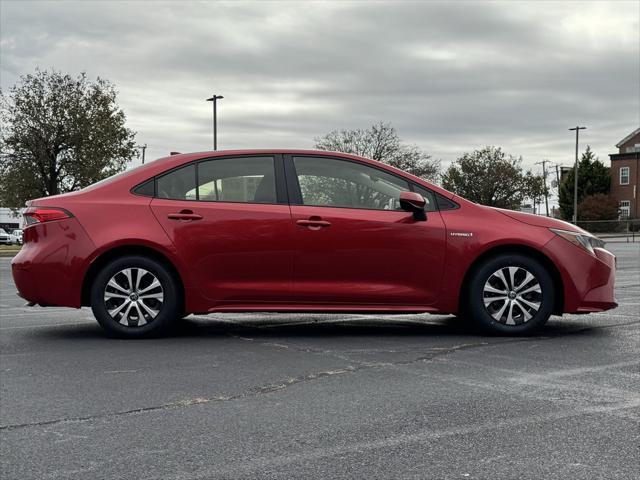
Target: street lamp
{"points": [[214, 98], [575, 178]]}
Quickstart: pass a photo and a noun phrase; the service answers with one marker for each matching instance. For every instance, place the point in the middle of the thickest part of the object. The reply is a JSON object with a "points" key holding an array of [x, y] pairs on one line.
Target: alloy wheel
{"points": [[133, 297], [512, 295]]}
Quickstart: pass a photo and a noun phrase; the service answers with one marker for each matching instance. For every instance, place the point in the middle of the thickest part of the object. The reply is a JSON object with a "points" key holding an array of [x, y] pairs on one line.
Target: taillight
{"points": [[44, 214]]}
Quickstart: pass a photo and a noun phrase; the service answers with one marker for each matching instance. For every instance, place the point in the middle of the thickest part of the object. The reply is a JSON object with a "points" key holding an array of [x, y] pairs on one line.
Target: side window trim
{"points": [[279, 172], [282, 193], [295, 193], [291, 176]]}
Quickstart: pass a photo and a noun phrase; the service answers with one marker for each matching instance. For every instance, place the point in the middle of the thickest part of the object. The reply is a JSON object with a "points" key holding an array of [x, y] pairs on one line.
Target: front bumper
{"points": [[602, 297], [588, 280]]}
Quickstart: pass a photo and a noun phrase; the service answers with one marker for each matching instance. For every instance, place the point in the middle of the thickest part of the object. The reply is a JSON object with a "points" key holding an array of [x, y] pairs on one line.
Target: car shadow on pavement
{"points": [[317, 326], [378, 326]]}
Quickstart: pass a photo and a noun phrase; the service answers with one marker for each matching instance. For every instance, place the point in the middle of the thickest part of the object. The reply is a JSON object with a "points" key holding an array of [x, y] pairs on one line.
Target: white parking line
{"points": [[605, 314]]}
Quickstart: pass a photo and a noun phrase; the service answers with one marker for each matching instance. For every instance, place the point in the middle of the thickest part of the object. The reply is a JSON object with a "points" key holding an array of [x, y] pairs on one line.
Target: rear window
{"points": [[112, 178]]}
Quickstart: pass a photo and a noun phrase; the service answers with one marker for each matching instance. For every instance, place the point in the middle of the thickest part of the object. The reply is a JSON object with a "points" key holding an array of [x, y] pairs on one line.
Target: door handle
{"points": [[184, 215], [313, 224]]}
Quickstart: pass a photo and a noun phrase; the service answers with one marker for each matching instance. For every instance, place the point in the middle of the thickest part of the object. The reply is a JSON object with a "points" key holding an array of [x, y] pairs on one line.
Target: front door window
{"points": [[338, 183]]}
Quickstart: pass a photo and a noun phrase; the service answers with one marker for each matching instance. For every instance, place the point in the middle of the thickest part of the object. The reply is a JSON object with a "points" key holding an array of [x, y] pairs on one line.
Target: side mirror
{"points": [[413, 202]]}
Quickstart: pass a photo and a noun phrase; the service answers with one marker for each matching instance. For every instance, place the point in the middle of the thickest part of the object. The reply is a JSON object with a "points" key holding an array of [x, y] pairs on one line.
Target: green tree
{"points": [[491, 177], [381, 142], [59, 134], [593, 178]]}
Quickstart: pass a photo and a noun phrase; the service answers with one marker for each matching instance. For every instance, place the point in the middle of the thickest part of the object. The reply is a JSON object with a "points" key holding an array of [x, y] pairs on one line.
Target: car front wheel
{"points": [[509, 294], [135, 297]]}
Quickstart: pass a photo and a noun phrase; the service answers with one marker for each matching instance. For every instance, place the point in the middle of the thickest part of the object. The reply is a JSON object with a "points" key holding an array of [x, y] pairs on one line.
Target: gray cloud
{"points": [[451, 76]]}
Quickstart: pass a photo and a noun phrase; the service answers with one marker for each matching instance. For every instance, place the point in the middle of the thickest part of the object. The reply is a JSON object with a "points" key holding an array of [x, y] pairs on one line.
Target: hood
{"points": [[539, 220]]}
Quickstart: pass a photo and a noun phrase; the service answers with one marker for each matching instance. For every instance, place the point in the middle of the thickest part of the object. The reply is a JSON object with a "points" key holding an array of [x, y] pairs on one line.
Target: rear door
{"points": [[230, 222], [354, 245]]}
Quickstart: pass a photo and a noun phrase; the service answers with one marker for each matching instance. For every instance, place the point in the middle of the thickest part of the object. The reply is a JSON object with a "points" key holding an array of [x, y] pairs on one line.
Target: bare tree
{"points": [[381, 142]]}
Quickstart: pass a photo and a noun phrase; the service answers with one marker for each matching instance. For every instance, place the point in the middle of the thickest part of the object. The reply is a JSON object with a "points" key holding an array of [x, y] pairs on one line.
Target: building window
{"points": [[625, 208], [624, 175]]}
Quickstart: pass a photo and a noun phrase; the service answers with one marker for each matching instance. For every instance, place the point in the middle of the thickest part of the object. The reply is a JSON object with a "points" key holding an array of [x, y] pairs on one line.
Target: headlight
{"points": [[585, 241]]}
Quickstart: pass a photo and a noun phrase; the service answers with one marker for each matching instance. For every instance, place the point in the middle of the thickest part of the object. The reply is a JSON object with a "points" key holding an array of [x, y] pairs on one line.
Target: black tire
{"points": [[524, 318], [169, 308]]}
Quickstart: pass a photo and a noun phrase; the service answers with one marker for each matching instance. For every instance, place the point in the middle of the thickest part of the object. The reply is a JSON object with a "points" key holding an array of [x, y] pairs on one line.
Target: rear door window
{"points": [[246, 180], [178, 184]]}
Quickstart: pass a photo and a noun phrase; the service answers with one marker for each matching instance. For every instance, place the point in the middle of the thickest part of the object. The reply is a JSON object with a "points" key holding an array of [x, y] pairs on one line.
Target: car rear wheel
{"points": [[135, 297], [510, 294]]}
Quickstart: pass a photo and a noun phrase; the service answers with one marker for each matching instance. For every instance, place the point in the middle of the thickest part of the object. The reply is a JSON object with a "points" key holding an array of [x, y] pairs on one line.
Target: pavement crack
{"points": [[253, 391], [433, 353]]}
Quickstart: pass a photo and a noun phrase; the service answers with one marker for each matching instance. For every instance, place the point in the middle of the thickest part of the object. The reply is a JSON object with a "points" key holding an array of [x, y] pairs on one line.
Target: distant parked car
{"points": [[300, 231], [5, 238], [17, 236]]}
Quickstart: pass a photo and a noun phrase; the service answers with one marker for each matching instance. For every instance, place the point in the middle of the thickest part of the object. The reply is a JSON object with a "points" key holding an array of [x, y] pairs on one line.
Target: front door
{"points": [[231, 226], [354, 245]]}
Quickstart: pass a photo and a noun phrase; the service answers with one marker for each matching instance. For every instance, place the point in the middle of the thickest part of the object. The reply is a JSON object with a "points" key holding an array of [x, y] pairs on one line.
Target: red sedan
{"points": [[300, 231]]}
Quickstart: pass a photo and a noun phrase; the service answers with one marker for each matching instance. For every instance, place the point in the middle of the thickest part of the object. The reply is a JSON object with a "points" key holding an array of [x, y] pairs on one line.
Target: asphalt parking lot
{"points": [[321, 396]]}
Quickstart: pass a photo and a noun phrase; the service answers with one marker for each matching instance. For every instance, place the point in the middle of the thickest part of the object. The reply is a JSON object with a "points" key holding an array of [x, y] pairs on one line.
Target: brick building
{"points": [[625, 175]]}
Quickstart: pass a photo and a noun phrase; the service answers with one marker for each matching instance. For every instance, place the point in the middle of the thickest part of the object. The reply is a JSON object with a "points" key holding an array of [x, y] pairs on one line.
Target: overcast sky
{"points": [[450, 76]]}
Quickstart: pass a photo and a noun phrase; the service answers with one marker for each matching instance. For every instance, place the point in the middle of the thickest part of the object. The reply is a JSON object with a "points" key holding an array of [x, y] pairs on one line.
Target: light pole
{"points": [[575, 177], [144, 148], [214, 98]]}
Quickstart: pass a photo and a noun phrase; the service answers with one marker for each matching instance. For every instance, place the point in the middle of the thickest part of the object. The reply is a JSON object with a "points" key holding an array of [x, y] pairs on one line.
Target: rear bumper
{"points": [[50, 266], [588, 280]]}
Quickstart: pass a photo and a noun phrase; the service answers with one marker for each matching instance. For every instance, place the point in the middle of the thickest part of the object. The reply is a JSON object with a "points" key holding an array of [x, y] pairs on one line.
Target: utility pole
{"points": [[544, 178], [575, 177], [214, 98], [144, 148]]}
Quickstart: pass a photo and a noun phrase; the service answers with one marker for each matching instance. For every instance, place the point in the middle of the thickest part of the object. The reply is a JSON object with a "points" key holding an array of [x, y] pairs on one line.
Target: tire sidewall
{"points": [[170, 307], [475, 292]]}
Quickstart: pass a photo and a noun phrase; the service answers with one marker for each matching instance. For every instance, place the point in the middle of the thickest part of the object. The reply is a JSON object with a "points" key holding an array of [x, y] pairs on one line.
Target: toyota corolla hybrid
{"points": [[299, 231]]}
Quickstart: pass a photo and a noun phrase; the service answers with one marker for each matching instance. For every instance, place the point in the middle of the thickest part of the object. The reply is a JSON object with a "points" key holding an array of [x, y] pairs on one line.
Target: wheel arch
{"points": [[556, 277], [119, 251]]}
